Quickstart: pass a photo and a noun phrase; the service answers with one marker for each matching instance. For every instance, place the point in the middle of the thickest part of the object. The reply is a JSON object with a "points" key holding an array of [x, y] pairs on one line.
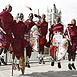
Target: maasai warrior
{"points": [[57, 27], [6, 20], [42, 27], [29, 23], [19, 29], [2, 47], [71, 32]]}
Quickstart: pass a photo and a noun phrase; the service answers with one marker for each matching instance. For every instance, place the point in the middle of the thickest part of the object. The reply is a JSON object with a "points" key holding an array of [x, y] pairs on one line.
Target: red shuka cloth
{"points": [[58, 27], [19, 42], [29, 25], [73, 37], [43, 28], [6, 23], [72, 32]]}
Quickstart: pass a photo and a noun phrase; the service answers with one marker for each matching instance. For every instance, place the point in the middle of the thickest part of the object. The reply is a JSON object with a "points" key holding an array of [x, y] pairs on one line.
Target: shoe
{"points": [[42, 60], [73, 66], [28, 65], [59, 65], [3, 61], [52, 63], [69, 66], [39, 61]]}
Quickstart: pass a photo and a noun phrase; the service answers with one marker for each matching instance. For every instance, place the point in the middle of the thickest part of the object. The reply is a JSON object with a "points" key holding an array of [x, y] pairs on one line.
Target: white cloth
{"points": [[18, 61], [38, 55], [2, 55], [2, 30], [27, 59]]}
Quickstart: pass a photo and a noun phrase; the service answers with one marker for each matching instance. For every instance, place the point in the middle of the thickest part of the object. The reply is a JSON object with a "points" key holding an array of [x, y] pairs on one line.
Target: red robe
{"points": [[6, 23], [58, 27], [55, 27], [73, 36], [29, 26], [43, 28], [19, 42]]}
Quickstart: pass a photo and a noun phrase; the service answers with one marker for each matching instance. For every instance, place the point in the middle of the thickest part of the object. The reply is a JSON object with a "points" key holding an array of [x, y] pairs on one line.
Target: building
{"points": [[52, 13]]}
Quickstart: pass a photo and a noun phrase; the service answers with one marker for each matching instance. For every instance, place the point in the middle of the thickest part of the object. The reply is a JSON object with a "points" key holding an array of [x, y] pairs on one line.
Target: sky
{"points": [[68, 7]]}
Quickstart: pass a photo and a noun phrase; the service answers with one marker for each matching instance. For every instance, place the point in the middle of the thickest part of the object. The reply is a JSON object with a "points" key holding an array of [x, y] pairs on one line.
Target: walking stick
{"points": [[25, 56], [12, 62], [12, 67], [24, 61]]}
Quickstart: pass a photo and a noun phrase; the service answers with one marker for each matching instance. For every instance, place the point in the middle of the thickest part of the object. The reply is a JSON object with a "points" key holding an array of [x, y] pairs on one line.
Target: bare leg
{"points": [[69, 59], [1, 50], [18, 66], [27, 62], [2, 57], [73, 61], [42, 60]]}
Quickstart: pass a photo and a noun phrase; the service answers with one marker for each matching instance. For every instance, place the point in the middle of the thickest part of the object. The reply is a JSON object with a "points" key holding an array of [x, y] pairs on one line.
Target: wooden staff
{"points": [[25, 55], [12, 62]]}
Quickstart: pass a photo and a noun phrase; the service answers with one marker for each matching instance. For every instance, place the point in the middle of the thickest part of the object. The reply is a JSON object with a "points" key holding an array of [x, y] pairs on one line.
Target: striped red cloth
{"points": [[2, 41], [58, 27]]}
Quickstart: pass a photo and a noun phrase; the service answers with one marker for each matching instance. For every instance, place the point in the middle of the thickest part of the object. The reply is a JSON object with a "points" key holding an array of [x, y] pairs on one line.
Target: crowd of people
{"points": [[12, 33]]}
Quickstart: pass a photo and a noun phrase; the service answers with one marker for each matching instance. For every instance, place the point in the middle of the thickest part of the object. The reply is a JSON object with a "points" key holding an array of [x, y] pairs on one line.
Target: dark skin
{"points": [[58, 19], [20, 15], [31, 16], [73, 21], [43, 17], [8, 8]]}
